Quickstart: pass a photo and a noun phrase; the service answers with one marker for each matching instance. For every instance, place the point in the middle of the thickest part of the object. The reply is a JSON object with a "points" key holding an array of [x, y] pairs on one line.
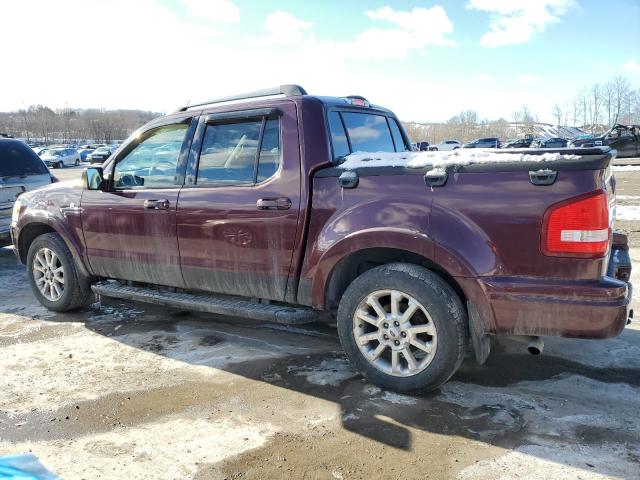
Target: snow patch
{"points": [[627, 212], [398, 399], [440, 160], [626, 168], [330, 372], [540, 462]]}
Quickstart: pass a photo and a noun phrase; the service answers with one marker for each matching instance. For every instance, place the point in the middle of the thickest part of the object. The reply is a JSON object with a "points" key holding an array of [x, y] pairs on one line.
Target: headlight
{"points": [[16, 210]]}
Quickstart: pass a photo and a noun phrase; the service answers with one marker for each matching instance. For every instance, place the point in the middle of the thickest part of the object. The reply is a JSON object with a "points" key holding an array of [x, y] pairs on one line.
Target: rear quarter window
{"points": [[17, 159], [368, 132]]}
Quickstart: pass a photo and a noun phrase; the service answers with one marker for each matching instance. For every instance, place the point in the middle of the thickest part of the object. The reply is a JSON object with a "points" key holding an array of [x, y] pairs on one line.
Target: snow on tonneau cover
{"points": [[441, 160]]}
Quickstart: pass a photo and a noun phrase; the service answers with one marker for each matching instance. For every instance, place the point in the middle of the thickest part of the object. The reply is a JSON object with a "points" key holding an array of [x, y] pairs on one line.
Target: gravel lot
{"points": [[123, 390]]}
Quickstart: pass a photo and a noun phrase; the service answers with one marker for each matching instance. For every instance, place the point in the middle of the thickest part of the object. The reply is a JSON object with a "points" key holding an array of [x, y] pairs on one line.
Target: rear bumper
{"points": [[598, 309], [567, 308]]}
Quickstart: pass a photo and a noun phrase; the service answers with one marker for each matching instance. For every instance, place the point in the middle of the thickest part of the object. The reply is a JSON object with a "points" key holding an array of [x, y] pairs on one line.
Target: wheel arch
{"points": [[348, 268], [32, 230]]}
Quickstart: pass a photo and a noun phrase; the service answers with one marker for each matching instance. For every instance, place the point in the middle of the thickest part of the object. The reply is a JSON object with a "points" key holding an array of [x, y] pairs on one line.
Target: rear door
{"points": [[238, 212], [130, 229]]}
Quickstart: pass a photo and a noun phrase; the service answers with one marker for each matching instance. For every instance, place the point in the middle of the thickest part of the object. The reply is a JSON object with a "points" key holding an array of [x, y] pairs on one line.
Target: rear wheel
{"points": [[77, 163], [53, 275], [60, 164], [403, 327]]}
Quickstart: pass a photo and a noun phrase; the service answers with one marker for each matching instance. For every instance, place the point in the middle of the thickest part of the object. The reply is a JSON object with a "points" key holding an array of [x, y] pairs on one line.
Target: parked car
{"points": [[490, 142], [60, 157], [446, 145], [624, 138], [220, 204], [99, 155], [21, 170], [84, 151], [518, 143], [548, 142]]}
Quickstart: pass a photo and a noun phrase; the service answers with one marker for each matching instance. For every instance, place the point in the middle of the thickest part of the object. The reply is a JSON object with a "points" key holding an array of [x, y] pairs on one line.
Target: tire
{"points": [[435, 149], [77, 162], [60, 165], [75, 288], [440, 311]]}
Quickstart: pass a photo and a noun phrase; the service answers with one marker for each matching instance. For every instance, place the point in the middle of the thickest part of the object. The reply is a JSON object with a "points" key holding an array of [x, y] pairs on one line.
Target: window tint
{"points": [[17, 159], [368, 133], [397, 136], [152, 162], [269, 150], [228, 153], [338, 136]]}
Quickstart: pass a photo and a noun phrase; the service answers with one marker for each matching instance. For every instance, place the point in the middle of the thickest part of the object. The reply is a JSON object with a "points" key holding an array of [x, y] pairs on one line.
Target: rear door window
{"points": [[17, 159], [368, 132], [230, 151]]}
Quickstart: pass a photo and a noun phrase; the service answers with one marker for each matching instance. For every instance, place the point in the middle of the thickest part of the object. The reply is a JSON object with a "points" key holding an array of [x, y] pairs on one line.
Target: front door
{"points": [[238, 211], [130, 228]]}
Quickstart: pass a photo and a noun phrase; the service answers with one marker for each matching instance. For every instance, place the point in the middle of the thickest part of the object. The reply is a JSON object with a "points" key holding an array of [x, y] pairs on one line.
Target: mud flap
{"points": [[479, 339]]}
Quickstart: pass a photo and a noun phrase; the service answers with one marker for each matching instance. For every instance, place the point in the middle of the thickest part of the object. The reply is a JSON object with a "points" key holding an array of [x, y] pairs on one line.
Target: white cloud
{"points": [[219, 11], [631, 66], [528, 79], [285, 28], [410, 31], [517, 21]]}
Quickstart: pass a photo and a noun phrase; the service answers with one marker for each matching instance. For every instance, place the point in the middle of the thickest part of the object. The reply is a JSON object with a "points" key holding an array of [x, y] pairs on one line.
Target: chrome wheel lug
{"points": [[404, 334], [385, 336], [397, 342], [385, 325], [396, 323]]}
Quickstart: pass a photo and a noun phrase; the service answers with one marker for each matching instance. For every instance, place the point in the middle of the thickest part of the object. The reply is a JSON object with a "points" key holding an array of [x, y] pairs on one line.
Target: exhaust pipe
{"points": [[535, 345]]}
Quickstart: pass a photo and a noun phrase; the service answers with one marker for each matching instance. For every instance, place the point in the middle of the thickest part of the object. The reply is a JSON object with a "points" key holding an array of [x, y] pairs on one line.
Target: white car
{"points": [[61, 157], [445, 145]]}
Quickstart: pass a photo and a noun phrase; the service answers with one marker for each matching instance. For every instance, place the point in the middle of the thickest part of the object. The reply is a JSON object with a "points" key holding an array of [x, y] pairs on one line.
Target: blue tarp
{"points": [[24, 467]]}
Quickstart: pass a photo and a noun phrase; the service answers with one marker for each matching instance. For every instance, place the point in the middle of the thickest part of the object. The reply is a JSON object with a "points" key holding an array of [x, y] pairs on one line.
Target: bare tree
{"points": [[557, 114], [621, 89]]}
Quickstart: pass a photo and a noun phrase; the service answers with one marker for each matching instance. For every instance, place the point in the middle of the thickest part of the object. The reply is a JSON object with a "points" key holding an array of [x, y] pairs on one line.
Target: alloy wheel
{"points": [[395, 333], [48, 273]]}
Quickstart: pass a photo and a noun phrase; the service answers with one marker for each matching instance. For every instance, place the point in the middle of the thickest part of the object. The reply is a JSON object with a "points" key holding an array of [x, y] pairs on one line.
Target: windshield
{"points": [[52, 153], [102, 150], [16, 159]]}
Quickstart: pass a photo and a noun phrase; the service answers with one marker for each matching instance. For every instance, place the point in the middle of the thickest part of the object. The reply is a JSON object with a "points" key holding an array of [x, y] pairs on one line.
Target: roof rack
{"points": [[286, 90]]}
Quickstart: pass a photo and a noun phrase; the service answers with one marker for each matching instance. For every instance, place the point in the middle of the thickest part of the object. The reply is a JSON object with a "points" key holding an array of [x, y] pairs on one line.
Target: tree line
{"points": [[41, 123], [594, 109]]}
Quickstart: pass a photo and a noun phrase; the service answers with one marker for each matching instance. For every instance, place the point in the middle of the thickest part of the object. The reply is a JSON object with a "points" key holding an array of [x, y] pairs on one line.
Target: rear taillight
{"points": [[54, 179], [578, 227]]}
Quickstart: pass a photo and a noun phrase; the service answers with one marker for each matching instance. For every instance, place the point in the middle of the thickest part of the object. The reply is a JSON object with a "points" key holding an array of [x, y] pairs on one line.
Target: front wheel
{"points": [[77, 163], [53, 275], [60, 165], [403, 327]]}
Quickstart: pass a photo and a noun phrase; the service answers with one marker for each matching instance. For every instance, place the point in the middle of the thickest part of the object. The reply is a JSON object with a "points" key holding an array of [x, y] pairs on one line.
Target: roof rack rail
{"points": [[286, 90]]}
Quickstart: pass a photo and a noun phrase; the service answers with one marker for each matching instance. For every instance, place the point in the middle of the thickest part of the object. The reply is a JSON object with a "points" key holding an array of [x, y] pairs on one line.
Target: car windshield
{"points": [[102, 150], [17, 159], [53, 153]]}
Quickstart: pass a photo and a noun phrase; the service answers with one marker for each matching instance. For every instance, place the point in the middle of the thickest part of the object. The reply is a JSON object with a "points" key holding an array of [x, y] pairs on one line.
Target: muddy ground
{"points": [[123, 390]]}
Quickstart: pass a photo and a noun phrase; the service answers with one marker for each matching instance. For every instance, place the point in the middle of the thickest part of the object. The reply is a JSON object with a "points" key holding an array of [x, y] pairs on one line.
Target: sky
{"points": [[425, 60]]}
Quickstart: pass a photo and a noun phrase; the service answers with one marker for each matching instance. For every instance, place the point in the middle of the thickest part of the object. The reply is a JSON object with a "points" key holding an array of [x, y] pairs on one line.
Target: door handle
{"points": [[273, 204], [162, 204]]}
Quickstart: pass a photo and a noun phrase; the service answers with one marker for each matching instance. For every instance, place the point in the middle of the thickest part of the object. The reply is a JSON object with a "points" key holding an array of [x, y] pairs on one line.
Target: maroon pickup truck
{"points": [[245, 206]]}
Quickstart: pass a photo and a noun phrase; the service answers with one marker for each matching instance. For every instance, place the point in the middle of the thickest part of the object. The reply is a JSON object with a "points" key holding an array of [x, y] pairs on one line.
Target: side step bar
{"points": [[220, 305]]}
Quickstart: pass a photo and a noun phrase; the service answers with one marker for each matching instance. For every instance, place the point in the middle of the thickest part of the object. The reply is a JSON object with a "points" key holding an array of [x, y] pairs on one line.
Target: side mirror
{"points": [[92, 178]]}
